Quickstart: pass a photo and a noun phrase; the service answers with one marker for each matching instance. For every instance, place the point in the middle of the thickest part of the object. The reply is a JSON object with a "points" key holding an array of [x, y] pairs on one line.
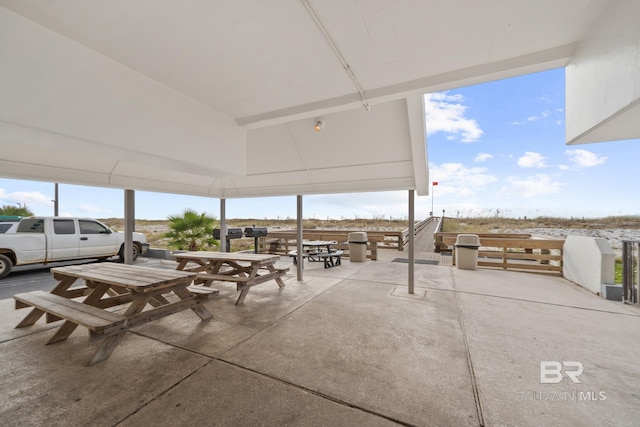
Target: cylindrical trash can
{"points": [[467, 251], [358, 246]]}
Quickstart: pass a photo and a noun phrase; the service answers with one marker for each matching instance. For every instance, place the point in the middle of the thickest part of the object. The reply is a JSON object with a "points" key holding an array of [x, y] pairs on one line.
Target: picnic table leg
{"points": [[278, 279], [31, 318], [243, 294], [98, 291], [60, 289], [63, 333], [106, 347], [198, 309], [63, 285], [137, 305], [111, 342], [182, 264], [158, 301]]}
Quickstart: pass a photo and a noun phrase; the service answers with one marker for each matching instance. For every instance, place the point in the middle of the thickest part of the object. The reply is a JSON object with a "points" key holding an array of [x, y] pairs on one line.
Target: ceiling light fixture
{"points": [[318, 126]]}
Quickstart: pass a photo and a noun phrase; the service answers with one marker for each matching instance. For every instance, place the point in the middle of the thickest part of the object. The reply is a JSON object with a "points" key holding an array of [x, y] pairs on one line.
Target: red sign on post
{"points": [[435, 182]]}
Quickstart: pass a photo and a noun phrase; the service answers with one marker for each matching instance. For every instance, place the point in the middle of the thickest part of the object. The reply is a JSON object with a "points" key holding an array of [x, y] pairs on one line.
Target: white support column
{"points": [[412, 232], [56, 202], [223, 225], [129, 225], [299, 238]]}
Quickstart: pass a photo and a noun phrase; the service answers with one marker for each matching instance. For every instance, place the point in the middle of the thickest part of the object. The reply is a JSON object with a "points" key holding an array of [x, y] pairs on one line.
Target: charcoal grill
{"points": [[232, 233], [255, 232]]}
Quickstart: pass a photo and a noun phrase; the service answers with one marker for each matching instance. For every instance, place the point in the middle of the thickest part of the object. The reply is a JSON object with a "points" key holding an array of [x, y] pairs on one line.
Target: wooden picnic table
{"points": [[244, 269], [314, 250], [311, 247], [106, 285]]}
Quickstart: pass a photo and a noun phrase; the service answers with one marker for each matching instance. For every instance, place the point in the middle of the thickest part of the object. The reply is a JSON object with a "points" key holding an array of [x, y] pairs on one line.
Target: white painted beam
{"points": [[603, 79]]}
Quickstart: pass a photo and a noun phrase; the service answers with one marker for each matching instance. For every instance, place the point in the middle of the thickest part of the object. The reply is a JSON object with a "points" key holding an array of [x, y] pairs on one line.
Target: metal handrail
{"points": [[630, 271]]}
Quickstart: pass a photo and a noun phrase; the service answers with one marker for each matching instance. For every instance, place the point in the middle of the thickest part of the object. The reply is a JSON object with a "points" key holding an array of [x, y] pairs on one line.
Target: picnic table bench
{"points": [[97, 320]]}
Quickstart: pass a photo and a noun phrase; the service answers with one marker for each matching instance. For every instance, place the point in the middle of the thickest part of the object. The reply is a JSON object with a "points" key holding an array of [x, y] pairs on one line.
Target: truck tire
{"points": [[136, 252], [5, 266]]}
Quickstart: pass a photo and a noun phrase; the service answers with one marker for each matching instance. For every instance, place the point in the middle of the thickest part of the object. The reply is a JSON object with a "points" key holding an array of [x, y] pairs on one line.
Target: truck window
{"points": [[4, 226], [31, 225], [64, 226], [92, 227]]}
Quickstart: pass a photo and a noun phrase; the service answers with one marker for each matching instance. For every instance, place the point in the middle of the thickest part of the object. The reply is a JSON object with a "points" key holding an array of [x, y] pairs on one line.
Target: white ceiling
{"points": [[219, 97]]}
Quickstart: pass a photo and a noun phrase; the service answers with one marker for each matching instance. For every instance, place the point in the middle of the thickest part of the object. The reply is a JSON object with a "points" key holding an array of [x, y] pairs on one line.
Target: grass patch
{"points": [[618, 272]]}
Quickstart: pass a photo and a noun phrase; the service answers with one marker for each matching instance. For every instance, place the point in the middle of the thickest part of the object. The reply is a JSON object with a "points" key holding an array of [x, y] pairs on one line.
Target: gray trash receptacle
{"points": [[467, 251], [358, 246]]}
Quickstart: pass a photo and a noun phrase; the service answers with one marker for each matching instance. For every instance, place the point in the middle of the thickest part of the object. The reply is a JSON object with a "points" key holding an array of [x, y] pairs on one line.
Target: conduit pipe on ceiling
{"points": [[346, 66]]}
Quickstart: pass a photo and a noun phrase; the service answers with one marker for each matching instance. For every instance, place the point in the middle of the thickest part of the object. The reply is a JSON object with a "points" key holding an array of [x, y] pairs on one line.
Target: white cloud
{"points": [[533, 118], [25, 197], [455, 178], [532, 160], [446, 113], [584, 158], [536, 185], [91, 209], [481, 157]]}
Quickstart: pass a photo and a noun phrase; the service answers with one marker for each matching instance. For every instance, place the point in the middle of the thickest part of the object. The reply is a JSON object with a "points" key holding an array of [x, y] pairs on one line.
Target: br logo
{"points": [[551, 371]]}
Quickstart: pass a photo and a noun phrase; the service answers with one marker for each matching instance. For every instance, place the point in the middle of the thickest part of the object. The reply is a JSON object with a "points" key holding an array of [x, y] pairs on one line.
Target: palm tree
{"points": [[191, 230]]}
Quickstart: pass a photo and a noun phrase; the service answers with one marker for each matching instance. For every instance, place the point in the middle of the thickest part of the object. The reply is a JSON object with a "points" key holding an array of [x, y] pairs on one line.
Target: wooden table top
{"points": [[229, 256], [319, 243], [123, 275]]}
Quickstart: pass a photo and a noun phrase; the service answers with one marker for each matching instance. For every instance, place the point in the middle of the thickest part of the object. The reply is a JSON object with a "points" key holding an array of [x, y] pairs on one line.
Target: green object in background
{"points": [[191, 231], [618, 272]]}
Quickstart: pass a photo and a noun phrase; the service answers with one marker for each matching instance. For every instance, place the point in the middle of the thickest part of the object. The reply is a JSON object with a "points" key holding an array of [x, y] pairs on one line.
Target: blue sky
{"points": [[494, 149]]}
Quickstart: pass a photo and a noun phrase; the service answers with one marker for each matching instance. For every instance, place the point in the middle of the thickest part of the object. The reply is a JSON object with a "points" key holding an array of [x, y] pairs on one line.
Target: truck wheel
{"points": [[5, 266], [136, 252]]}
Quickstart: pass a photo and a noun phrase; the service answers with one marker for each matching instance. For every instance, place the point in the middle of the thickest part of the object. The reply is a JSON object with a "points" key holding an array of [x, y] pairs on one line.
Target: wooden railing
{"points": [[281, 242], [418, 229], [513, 251], [444, 241], [391, 239]]}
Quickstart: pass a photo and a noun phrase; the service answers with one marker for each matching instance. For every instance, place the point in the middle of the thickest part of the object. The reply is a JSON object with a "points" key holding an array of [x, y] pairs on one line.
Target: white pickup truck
{"points": [[39, 240]]}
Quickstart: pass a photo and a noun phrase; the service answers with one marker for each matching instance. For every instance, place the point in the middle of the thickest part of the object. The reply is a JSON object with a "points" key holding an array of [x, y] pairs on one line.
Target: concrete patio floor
{"points": [[346, 347]]}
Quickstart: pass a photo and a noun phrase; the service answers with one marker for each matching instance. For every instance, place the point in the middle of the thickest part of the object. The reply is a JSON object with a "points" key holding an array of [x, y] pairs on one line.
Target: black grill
{"points": [[255, 232], [232, 233]]}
